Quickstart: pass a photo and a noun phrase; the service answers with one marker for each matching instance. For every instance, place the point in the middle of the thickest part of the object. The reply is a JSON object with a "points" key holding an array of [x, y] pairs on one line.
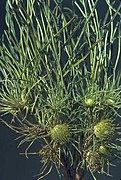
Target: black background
{"points": [[16, 167]]}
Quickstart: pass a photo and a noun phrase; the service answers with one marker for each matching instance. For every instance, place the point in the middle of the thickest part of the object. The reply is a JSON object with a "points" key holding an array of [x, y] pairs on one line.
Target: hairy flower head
{"points": [[93, 160]]}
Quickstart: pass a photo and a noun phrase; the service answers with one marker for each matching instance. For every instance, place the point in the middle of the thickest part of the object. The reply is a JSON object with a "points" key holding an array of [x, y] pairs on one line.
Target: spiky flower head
{"points": [[93, 160], [89, 102], [104, 150], [60, 133], [104, 130]]}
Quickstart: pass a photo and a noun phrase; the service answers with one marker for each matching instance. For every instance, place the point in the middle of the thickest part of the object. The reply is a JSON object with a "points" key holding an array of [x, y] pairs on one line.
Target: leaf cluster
{"points": [[58, 70]]}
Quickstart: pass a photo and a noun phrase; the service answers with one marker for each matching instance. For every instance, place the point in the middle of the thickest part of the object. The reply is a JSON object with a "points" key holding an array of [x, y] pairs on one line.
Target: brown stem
{"points": [[79, 174], [66, 169], [70, 173], [66, 174]]}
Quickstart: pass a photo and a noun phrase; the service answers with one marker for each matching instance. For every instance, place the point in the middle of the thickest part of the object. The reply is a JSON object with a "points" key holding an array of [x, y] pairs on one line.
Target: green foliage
{"points": [[60, 81]]}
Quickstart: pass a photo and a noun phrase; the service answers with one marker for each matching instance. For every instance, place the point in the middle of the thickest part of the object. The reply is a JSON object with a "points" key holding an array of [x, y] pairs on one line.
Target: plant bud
{"points": [[60, 133], [104, 130], [109, 102], [89, 102], [103, 150]]}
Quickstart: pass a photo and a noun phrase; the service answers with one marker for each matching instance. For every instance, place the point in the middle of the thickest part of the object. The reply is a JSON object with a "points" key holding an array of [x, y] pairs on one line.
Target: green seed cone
{"points": [[60, 133], [104, 130]]}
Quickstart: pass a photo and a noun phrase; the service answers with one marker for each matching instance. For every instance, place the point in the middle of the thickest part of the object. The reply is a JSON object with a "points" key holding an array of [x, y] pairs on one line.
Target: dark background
{"points": [[16, 167]]}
